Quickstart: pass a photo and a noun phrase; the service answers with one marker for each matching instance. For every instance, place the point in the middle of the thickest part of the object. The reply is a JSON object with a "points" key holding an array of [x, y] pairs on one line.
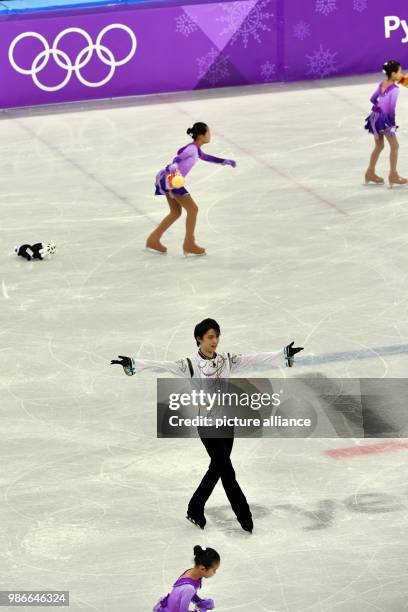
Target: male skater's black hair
{"points": [[390, 67], [205, 556], [202, 328], [198, 129]]}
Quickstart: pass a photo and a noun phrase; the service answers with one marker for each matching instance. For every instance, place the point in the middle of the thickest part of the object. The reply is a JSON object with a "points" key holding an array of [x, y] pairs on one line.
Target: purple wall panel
{"points": [[177, 48], [57, 58], [340, 37]]}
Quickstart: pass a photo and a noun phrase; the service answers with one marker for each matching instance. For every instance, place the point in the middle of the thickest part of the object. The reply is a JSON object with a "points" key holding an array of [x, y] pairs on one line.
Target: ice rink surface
{"points": [[298, 249]]}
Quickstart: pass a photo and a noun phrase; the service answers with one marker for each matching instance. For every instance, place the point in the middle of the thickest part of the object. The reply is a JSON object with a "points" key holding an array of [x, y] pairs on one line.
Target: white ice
{"points": [[297, 250]]}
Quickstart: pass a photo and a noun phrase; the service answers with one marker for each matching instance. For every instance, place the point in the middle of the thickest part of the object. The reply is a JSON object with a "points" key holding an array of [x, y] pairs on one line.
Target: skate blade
{"points": [[397, 185], [188, 254], [372, 184], [150, 250], [194, 523]]}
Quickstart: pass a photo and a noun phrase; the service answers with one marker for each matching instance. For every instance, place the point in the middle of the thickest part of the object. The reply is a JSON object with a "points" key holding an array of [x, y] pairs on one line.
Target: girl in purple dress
{"points": [[179, 198], [184, 592], [381, 123]]}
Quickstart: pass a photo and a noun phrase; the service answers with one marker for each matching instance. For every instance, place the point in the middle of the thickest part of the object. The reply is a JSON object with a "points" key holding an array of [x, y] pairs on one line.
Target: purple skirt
{"points": [[378, 123], [161, 187]]}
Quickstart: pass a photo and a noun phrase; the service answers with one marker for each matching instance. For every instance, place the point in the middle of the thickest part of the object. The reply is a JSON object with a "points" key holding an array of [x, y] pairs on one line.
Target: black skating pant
{"points": [[220, 466]]}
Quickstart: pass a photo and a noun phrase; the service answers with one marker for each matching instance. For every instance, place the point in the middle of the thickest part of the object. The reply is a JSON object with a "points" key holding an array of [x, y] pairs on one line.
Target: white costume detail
{"points": [[224, 365]]}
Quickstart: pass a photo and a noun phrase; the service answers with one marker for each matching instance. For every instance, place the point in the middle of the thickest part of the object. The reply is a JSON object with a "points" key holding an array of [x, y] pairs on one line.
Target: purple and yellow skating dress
{"points": [[184, 161], [382, 117]]}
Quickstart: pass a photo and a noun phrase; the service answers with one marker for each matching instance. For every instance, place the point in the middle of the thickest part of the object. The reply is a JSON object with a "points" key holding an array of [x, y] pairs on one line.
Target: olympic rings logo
{"points": [[83, 58]]}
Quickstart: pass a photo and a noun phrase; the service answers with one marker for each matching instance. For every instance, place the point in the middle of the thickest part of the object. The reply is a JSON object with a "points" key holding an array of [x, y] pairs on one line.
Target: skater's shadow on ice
{"points": [[224, 518]]}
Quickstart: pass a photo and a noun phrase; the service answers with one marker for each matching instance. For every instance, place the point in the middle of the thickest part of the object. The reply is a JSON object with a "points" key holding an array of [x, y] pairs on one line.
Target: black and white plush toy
{"points": [[40, 250]]}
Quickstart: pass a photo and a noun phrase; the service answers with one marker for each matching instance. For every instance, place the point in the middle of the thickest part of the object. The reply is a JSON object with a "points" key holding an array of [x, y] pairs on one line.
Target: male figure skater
{"points": [[207, 363]]}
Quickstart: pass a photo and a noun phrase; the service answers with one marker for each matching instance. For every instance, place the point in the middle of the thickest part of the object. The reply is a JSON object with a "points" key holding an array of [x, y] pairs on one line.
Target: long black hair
{"points": [[205, 556], [198, 129]]}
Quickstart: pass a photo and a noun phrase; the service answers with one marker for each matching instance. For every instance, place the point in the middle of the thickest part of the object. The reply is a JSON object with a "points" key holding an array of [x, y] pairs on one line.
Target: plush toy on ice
{"points": [[39, 250]]}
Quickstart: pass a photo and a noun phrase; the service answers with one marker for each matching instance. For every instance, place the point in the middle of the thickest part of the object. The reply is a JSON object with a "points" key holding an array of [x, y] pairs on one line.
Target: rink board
{"points": [[150, 48]]}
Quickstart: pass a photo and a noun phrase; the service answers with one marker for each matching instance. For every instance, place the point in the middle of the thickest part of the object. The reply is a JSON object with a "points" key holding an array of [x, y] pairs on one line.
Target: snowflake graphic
{"points": [[325, 6], [301, 30], [243, 25], [267, 71], [322, 62], [186, 25], [213, 66], [360, 5]]}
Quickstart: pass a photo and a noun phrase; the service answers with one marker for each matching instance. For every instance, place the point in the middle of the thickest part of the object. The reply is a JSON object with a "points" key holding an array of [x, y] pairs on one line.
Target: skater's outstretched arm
{"points": [[264, 361], [133, 366], [215, 160], [256, 361]]}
